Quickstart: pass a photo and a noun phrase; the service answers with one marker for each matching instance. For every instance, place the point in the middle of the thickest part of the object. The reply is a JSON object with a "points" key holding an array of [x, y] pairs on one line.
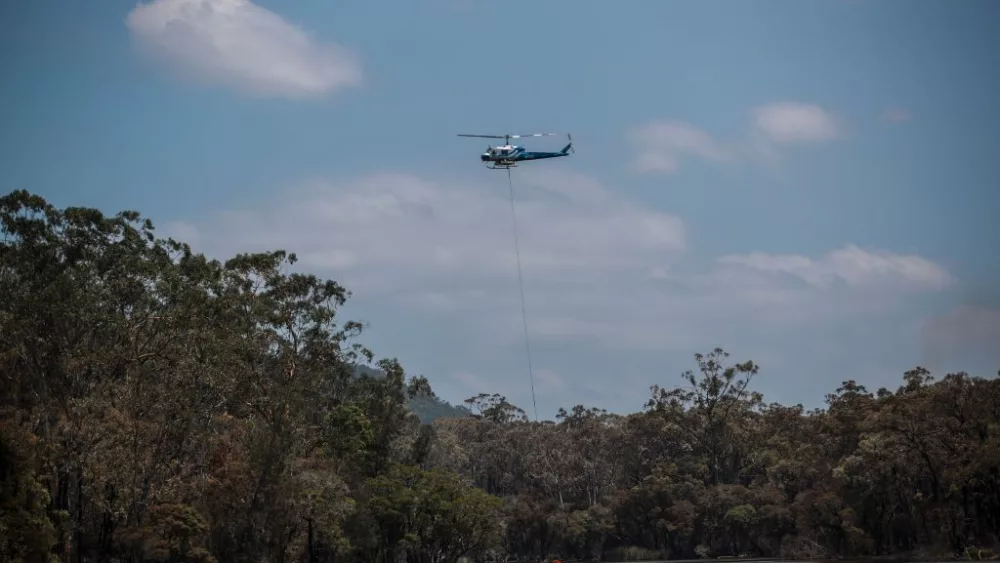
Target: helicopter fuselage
{"points": [[507, 156]]}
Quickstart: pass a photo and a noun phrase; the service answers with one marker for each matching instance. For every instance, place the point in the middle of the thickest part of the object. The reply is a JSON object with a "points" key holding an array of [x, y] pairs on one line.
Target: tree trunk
{"points": [[79, 515], [312, 549]]}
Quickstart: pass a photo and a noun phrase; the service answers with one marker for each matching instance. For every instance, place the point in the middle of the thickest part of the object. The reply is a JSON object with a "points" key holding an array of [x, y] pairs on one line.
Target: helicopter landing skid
{"points": [[501, 165]]}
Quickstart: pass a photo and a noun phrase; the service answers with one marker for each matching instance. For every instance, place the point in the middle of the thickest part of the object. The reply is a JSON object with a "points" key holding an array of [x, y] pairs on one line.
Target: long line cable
{"points": [[520, 285], [524, 319]]}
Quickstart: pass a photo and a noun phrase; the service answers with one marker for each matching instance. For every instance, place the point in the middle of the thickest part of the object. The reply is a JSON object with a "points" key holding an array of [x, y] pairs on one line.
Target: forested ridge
{"points": [[427, 407], [157, 405]]}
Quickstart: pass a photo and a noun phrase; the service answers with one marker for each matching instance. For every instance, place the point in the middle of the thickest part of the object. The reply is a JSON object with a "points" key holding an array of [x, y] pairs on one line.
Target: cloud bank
{"points": [[662, 145], [426, 233], [599, 269], [667, 142], [241, 45], [853, 266]]}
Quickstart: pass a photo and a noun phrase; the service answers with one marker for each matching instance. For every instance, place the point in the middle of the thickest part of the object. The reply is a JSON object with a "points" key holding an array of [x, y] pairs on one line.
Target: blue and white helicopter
{"points": [[507, 156]]}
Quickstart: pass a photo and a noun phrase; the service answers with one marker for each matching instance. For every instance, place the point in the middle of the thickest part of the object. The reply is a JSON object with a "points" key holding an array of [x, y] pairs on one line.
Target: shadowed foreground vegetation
{"points": [[159, 406]]}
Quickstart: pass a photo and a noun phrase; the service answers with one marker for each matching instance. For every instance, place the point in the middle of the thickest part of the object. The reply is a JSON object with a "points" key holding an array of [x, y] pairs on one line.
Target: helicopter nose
{"points": [[484, 157]]}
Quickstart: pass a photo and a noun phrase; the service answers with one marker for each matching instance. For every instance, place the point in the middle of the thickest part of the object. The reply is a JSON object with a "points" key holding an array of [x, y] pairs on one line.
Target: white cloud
{"points": [[794, 122], [597, 267], [853, 266], [896, 115], [662, 145], [606, 280], [430, 233], [242, 45]]}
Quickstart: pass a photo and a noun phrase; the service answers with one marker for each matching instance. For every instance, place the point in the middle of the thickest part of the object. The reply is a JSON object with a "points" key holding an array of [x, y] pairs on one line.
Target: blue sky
{"points": [[811, 185]]}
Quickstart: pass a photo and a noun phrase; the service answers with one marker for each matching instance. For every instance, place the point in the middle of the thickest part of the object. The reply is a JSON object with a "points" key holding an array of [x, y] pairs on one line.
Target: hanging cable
{"points": [[524, 320], [520, 285]]}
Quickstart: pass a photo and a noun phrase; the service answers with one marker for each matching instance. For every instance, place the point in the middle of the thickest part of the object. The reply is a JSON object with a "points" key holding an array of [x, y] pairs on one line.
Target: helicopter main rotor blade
{"points": [[532, 135], [509, 136]]}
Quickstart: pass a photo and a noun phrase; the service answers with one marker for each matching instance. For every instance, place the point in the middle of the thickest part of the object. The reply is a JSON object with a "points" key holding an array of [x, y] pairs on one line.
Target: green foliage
{"points": [[157, 405], [429, 516], [26, 532], [174, 534], [495, 408], [349, 433]]}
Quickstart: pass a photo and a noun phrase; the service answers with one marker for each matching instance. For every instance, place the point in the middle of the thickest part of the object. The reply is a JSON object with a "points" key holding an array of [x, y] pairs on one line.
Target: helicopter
{"points": [[506, 156]]}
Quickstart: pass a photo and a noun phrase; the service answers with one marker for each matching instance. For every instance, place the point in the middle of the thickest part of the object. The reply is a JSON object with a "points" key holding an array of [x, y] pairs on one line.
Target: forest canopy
{"points": [[159, 405]]}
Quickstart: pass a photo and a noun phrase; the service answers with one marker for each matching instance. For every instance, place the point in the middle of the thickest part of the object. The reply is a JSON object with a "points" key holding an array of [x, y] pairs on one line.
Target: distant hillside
{"points": [[427, 408]]}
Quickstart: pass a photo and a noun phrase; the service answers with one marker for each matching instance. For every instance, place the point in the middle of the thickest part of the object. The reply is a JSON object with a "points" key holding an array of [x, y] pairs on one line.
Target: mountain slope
{"points": [[428, 408]]}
